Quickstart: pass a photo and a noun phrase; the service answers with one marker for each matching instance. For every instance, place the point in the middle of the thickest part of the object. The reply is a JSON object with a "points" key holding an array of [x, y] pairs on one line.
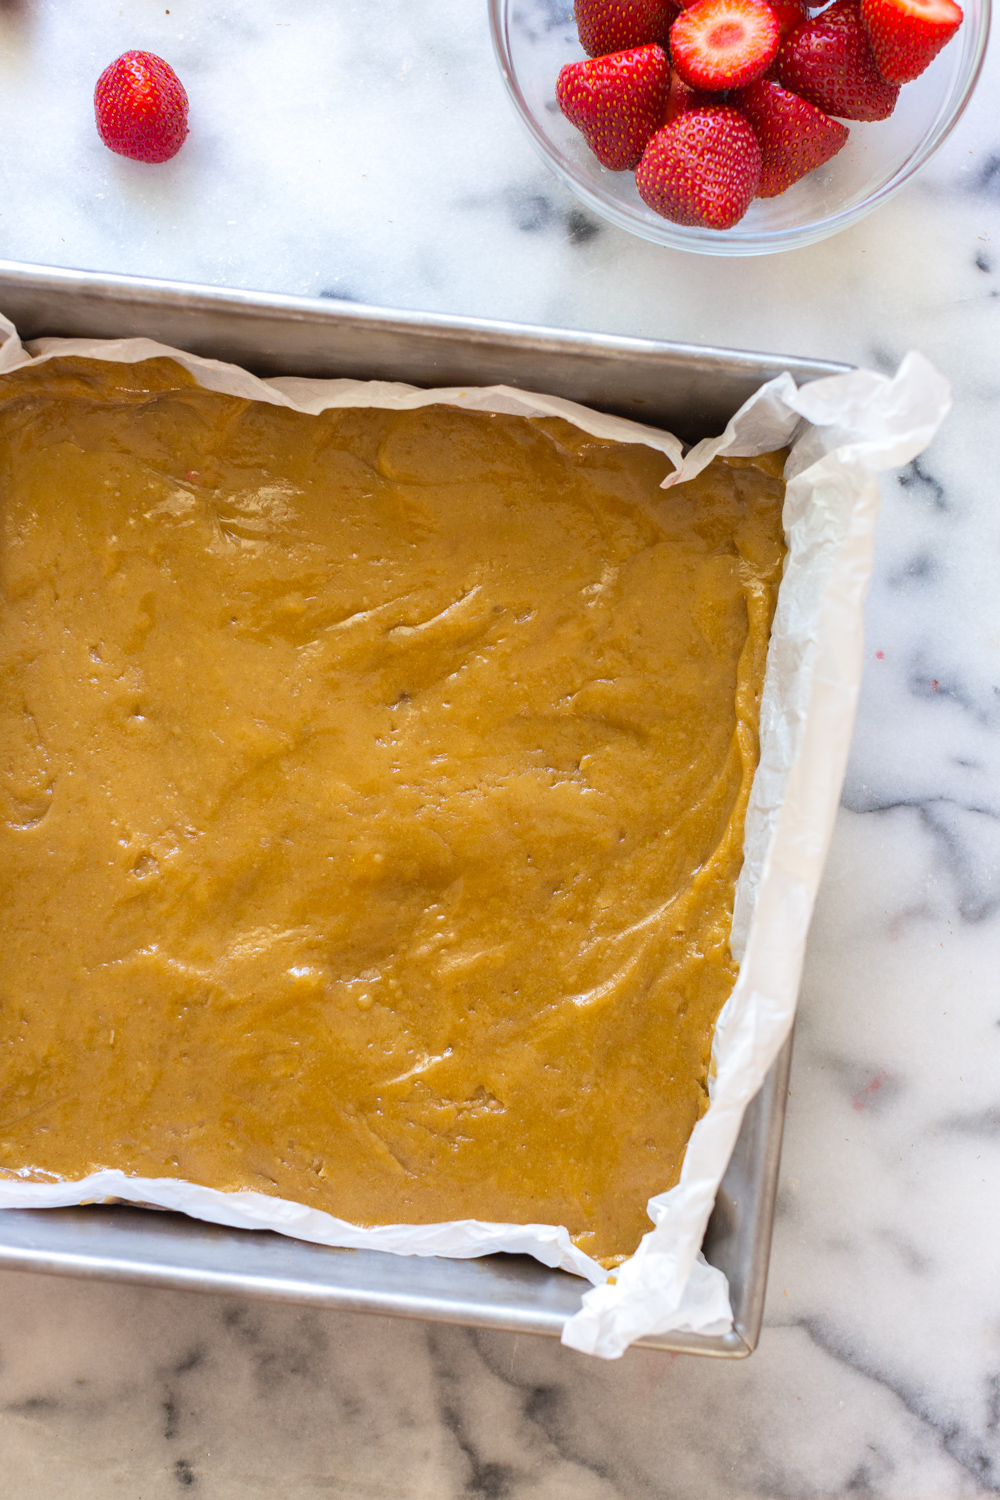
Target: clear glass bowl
{"points": [[534, 38]]}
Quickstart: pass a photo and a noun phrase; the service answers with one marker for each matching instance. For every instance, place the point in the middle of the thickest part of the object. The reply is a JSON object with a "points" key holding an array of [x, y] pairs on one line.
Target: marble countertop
{"points": [[368, 151]]}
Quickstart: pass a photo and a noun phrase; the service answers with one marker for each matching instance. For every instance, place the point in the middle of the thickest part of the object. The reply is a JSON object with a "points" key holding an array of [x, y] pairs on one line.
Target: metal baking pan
{"points": [[691, 390]]}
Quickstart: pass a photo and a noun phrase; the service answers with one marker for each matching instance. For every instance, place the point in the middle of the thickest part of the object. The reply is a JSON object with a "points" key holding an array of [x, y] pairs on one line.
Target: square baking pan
{"points": [[690, 390]]}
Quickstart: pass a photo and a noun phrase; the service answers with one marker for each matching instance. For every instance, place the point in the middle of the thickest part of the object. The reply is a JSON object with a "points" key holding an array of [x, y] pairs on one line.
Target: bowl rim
{"points": [[730, 242]]}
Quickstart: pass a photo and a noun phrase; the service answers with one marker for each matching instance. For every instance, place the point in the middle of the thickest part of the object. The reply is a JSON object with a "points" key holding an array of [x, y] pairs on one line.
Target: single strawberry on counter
{"points": [[907, 35], [616, 102], [829, 62], [794, 136], [141, 108], [616, 25], [724, 44], [701, 169]]}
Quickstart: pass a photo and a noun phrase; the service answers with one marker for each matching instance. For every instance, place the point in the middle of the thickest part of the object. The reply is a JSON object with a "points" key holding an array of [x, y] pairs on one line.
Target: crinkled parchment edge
{"points": [[841, 431]]}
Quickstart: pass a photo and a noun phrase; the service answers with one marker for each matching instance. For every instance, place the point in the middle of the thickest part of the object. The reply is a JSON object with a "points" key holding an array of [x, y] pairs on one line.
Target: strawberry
{"points": [[794, 136], [724, 44], [615, 25], [141, 108], [907, 35], [789, 14], [616, 102], [701, 169], [829, 63], [682, 98]]}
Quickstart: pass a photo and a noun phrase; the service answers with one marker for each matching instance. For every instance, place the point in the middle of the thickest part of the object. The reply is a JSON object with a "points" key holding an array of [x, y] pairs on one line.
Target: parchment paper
{"points": [[842, 430]]}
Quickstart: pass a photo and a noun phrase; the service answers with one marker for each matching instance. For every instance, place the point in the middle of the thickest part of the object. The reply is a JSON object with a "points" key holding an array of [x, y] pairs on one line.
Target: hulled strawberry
{"points": [[682, 98], [724, 44], [907, 35], [701, 169], [616, 25], [141, 108], [829, 62], [616, 102], [794, 136], [789, 14]]}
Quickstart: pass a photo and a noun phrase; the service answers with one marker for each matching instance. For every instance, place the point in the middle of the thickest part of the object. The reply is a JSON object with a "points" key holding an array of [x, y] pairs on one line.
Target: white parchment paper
{"points": [[841, 430]]}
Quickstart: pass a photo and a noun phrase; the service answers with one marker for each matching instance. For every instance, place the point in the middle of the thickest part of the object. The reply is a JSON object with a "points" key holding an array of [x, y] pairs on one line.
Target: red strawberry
{"points": [[682, 98], [789, 14], [616, 25], [794, 136], [702, 168], [830, 63], [907, 35], [616, 102], [141, 108], [724, 44]]}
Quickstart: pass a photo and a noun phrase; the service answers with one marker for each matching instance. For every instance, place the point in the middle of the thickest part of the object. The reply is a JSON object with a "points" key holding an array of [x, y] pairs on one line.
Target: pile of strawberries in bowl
{"points": [[534, 40], [724, 101]]}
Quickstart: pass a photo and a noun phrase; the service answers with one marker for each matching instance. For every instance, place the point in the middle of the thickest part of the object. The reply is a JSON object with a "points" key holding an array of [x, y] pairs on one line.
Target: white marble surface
{"points": [[368, 150]]}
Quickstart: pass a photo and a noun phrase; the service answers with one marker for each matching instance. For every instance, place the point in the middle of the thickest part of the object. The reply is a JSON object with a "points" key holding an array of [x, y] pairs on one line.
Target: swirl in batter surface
{"points": [[371, 797]]}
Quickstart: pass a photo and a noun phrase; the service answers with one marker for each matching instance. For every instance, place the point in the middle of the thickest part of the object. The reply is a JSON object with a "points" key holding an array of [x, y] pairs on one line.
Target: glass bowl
{"points": [[534, 38]]}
